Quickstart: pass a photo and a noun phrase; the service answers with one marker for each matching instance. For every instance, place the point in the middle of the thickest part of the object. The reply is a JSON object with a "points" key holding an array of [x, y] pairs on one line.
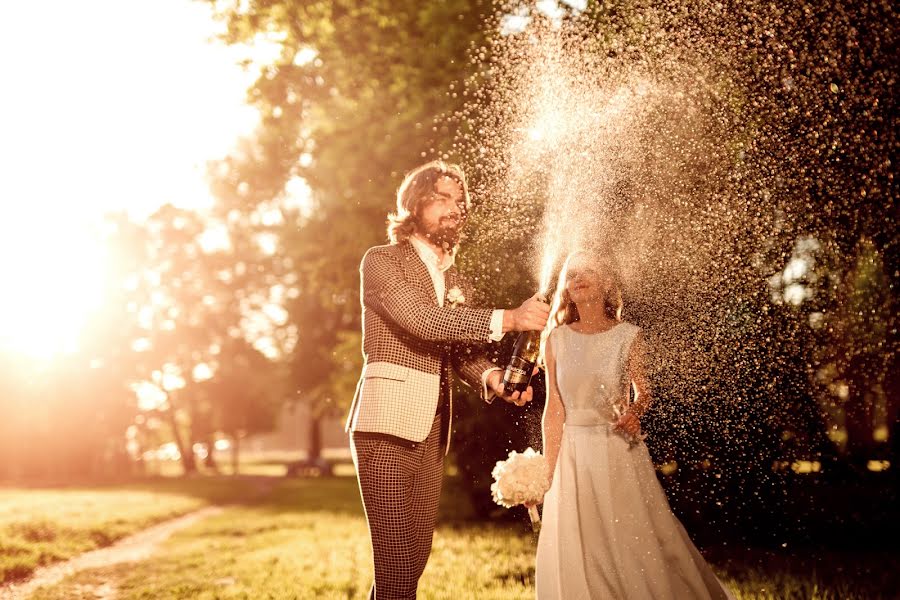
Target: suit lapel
{"points": [[455, 280], [450, 279], [416, 272]]}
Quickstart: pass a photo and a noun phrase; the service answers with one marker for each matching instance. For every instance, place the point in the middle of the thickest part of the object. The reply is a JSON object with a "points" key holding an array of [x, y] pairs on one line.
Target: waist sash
{"points": [[587, 417]]}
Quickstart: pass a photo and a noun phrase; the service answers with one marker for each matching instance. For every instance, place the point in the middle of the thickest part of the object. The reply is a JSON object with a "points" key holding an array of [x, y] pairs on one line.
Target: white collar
{"points": [[429, 256]]}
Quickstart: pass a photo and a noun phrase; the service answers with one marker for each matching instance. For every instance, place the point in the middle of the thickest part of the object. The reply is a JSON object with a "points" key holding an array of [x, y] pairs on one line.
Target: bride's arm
{"points": [[554, 413], [638, 376]]}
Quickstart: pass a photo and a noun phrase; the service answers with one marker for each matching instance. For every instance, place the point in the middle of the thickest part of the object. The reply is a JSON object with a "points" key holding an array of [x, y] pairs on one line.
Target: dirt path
{"points": [[130, 549], [133, 548]]}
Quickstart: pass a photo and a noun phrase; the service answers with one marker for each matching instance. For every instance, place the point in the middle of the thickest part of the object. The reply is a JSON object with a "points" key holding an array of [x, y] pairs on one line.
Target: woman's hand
{"points": [[630, 424]]}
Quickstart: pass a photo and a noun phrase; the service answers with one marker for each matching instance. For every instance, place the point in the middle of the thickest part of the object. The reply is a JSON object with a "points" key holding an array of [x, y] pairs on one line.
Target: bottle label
{"points": [[518, 370]]}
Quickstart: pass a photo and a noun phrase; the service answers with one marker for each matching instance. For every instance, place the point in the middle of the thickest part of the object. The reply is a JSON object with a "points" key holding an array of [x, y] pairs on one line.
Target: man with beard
{"points": [[417, 326]]}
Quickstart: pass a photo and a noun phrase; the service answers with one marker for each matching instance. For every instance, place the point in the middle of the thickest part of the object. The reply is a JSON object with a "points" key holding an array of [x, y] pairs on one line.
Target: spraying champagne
{"points": [[521, 364]]}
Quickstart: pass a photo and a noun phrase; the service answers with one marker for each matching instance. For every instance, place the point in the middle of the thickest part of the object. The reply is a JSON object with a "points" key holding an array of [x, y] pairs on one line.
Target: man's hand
{"points": [[532, 315], [495, 382]]}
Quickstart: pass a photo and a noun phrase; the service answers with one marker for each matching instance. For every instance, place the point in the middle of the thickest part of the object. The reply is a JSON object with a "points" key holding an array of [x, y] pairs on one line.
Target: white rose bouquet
{"points": [[522, 479]]}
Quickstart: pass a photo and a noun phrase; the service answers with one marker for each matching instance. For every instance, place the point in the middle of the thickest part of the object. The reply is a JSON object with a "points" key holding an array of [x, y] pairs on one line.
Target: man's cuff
{"points": [[497, 325], [487, 394]]}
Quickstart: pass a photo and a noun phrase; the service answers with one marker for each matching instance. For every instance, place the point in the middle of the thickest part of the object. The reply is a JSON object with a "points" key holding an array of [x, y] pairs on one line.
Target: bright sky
{"points": [[106, 105]]}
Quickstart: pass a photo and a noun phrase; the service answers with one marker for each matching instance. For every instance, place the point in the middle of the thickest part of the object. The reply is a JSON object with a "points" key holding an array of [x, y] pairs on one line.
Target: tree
{"points": [[247, 392], [350, 105], [206, 308]]}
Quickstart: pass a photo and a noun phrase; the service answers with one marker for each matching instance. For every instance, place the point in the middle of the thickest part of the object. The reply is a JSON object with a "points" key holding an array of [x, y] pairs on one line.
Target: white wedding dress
{"points": [[608, 531]]}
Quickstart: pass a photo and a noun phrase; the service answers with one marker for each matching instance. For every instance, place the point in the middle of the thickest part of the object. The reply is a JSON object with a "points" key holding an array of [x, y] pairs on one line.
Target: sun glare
{"points": [[109, 115], [55, 281]]}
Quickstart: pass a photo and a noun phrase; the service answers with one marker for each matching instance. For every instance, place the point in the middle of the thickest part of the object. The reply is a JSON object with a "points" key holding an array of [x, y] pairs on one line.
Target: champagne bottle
{"points": [[521, 364]]}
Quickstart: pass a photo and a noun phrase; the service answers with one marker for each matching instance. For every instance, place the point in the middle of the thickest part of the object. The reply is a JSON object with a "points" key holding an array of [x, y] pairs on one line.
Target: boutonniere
{"points": [[455, 297]]}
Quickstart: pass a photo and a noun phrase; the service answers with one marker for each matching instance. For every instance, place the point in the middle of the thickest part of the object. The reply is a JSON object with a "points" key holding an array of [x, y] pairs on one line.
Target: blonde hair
{"points": [[417, 186], [563, 311]]}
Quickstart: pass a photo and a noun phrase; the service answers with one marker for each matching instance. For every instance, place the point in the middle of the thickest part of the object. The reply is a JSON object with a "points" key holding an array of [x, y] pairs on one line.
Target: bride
{"points": [[608, 531]]}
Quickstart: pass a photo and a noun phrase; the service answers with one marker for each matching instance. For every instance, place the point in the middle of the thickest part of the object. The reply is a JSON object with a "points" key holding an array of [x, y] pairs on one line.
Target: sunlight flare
{"points": [[127, 123]]}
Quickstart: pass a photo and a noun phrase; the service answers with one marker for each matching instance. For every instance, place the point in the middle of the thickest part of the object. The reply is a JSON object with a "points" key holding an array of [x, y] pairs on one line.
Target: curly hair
{"points": [[417, 187]]}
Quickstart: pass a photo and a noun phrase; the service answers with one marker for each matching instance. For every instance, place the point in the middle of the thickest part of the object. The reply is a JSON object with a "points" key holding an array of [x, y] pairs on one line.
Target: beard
{"points": [[446, 234]]}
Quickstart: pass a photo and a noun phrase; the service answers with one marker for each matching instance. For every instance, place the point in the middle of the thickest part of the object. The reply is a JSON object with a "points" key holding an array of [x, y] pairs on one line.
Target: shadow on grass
{"points": [[340, 495], [335, 495], [215, 489]]}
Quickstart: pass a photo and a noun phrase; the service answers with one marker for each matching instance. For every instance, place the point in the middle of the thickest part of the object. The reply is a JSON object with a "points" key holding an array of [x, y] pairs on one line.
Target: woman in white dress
{"points": [[608, 531]]}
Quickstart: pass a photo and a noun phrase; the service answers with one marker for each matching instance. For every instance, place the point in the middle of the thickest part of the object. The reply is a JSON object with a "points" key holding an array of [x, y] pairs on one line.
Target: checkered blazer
{"points": [[410, 342]]}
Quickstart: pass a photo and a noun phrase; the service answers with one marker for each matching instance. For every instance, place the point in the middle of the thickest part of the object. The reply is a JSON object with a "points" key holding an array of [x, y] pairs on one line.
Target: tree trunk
{"points": [[314, 452], [859, 424], [210, 460], [187, 454], [235, 453]]}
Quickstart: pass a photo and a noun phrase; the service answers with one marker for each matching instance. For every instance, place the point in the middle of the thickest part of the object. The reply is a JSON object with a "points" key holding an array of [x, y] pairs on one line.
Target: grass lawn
{"points": [[308, 540], [42, 526]]}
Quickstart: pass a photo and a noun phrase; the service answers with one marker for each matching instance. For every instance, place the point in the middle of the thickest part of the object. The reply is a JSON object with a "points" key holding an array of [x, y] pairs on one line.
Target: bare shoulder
{"points": [[555, 333], [632, 337], [553, 341], [631, 330]]}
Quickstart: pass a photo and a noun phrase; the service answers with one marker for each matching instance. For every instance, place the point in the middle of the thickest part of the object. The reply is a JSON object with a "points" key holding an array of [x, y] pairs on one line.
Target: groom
{"points": [[417, 326]]}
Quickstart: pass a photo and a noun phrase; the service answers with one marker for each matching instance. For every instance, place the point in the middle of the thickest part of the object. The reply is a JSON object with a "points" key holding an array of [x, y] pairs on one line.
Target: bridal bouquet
{"points": [[521, 479]]}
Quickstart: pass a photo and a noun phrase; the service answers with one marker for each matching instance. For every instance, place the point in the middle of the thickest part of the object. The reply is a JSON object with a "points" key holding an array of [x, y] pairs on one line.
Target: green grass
{"points": [[42, 526], [308, 539]]}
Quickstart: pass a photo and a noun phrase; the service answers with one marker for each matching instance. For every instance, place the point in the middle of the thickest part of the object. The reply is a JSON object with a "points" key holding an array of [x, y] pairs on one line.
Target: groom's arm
{"points": [[471, 363], [474, 363], [386, 292]]}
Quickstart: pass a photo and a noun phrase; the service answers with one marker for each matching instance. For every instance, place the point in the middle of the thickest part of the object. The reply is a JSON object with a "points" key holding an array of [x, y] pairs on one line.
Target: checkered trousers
{"points": [[407, 336], [401, 488]]}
